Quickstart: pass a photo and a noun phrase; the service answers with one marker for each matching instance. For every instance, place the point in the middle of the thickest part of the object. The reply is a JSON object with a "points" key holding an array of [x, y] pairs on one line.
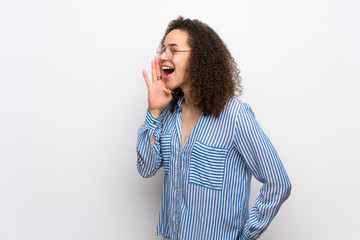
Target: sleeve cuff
{"points": [[244, 236], [151, 121]]}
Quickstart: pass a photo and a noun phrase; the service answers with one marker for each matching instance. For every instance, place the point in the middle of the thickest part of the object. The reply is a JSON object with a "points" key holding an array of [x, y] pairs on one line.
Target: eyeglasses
{"points": [[169, 52]]}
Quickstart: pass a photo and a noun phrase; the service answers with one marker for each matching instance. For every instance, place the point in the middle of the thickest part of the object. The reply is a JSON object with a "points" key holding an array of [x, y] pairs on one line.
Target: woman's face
{"points": [[174, 64]]}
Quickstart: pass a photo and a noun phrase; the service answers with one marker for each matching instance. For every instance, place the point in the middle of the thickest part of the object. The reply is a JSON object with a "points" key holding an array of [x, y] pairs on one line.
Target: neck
{"points": [[187, 101], [186, 92]]}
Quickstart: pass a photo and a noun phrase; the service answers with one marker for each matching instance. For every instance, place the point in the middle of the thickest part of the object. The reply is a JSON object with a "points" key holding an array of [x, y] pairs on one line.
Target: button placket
{"points": [[178, 193], [177, 177]]}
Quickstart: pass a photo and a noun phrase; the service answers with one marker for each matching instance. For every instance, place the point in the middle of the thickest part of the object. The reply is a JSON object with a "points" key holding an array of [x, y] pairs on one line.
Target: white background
{"points": [[72, 98]]}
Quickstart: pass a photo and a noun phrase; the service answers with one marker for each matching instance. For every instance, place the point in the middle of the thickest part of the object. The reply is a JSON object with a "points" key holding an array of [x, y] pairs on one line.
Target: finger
{"points": [[167, 91], [157, 66], [147, 81], [153, 71]]}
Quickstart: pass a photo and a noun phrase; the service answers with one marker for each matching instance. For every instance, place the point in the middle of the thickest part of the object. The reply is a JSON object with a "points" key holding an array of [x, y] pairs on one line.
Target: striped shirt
{"points": [[207, 183]]}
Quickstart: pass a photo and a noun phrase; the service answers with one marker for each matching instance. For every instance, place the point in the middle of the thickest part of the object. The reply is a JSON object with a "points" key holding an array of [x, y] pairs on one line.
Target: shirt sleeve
{"points": [[148, 155], [265, 164]]}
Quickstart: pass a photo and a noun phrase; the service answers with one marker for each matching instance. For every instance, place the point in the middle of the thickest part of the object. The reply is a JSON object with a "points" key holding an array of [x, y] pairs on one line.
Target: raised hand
{"points": [[158, 95]]}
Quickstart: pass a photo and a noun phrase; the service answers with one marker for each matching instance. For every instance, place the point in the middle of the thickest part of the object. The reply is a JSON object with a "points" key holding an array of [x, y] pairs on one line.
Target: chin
{"points": [[170, 86]]}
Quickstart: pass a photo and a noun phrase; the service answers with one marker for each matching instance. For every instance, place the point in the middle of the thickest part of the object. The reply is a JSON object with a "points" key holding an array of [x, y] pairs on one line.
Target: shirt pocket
{"points": [[165, 149], [207, 165]]}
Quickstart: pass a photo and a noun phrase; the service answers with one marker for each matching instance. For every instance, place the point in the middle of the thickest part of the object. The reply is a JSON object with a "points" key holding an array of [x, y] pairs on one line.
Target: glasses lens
{"points": [[159, 51], [168, 52]]}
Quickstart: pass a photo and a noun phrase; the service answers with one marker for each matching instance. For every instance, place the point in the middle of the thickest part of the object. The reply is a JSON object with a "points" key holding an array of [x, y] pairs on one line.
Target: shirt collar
{"points": [[179, 102]]}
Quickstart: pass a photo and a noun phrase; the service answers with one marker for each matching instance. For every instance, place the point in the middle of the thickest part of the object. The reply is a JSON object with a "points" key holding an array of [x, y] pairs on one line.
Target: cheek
{"points": [[182, 67]]}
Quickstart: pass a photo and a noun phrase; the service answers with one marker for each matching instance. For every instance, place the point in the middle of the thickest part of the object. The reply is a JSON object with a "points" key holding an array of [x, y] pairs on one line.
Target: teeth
{"points": [[165, 67]]}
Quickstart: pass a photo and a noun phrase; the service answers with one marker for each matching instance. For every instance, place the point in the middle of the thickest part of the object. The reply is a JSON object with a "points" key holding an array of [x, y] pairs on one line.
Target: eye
{"points": [[172, 50]]}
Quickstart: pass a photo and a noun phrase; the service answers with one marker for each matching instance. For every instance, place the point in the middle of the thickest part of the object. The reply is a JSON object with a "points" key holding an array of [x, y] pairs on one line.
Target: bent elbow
{"points": [[142, 170], [146, 171], [287, 189]]}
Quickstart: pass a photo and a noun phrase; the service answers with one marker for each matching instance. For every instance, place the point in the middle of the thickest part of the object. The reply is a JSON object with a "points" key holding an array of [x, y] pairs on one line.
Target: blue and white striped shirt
{"points": [[207, 183]]}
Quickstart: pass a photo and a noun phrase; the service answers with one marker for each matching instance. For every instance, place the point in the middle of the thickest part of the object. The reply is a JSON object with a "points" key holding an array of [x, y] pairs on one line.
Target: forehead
{"points": [[177, 37]]}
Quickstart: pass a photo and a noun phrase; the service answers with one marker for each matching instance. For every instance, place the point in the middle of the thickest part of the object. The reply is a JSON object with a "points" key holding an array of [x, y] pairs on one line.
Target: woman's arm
{"points": [[265, 164], [148, 146]]}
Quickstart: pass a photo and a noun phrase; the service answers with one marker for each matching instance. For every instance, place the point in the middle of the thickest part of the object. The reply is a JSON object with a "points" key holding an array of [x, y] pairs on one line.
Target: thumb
{"points": [[167, 91]]}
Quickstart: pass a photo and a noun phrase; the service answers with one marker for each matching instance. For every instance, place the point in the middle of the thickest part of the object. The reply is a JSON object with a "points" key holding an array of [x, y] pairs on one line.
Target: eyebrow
{"points": [[172, 45]]}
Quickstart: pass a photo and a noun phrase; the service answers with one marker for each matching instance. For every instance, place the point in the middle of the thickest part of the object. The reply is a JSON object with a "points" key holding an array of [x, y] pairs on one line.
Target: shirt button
{"points": [[179, 172], [178, 191], [154, 123], [177, 210]]}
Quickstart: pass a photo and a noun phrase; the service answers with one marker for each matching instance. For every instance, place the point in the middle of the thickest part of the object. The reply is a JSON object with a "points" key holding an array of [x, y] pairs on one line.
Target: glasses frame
{"points": [[172, 51]]}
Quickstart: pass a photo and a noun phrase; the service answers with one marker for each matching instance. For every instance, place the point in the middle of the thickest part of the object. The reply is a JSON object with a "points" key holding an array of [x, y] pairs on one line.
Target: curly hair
{"points": [[211, 71]]}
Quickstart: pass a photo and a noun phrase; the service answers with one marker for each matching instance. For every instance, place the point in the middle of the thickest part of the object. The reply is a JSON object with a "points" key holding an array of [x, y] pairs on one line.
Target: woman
{"points": [[207, 141]]}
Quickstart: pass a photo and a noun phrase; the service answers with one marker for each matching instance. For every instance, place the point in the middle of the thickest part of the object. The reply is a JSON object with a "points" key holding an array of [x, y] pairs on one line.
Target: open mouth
{"points": [[167, 71]]}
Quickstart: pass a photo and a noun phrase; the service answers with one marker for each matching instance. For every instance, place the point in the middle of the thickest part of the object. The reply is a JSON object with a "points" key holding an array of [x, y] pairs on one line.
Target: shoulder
{"points": [[166, 116], [236, 107], [165, 113]]}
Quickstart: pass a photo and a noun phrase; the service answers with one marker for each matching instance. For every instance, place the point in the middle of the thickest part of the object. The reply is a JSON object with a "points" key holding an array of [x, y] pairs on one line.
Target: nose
{"points": [[163, 57]]}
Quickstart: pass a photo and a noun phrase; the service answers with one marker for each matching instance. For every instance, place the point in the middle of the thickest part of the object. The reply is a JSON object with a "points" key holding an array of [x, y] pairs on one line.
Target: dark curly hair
{"points": [[211, 71]]}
